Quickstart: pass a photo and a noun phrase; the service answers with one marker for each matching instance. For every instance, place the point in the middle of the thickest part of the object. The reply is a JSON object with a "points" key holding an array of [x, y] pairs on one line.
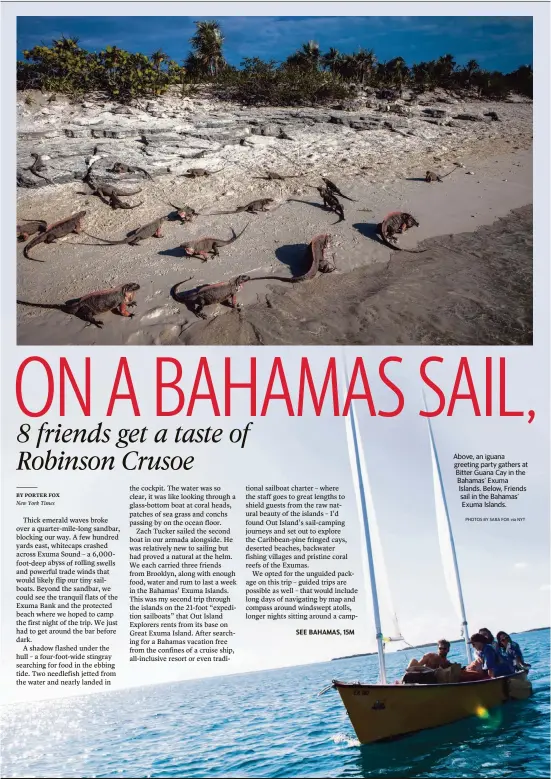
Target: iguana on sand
{"points": [[194, 173], [315, 261], [253, 208], [86, 307], [330, 201], [185, 213], [108, 191], [72, 224], [121, 167], [272, 175], [139, 234], [207, 294], [202, 247], [334, 188], [430, 176], [26, 229], [393, 224]]}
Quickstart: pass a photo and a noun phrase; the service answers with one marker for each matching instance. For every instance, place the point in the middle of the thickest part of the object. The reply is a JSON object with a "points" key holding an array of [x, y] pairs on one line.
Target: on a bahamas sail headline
{"points": [[180, 387]]}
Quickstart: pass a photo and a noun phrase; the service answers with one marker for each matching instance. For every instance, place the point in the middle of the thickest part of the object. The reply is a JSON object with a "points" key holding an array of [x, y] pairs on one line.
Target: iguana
{"points": [[330, 201], [108, 191], [393, 224], [315, 259], [139, 234], [194, 173], [272, 175], [186, 213], [71, 224], [430, 176], [253, 208], [202, 247], [29, 228], [207, 294], [333, 188], [114, 195], [85, 307], [121, 167], [37, 166]]}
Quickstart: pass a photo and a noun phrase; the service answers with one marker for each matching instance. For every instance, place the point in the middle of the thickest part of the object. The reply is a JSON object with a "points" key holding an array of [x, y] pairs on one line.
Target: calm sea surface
{"points": [[270, 724]]}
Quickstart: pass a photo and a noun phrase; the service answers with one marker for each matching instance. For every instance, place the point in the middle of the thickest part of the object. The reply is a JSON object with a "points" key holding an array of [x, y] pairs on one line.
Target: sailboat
{"points": [[384, 711]]}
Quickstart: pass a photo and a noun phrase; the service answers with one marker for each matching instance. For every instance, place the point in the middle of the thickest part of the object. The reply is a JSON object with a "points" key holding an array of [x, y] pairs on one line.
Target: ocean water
{"points": [[270, 724]]}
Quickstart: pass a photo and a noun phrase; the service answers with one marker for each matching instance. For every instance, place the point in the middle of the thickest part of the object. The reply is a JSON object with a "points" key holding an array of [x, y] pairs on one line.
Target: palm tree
{"points": [[306, 58], [312, 54], [397, 72], [364, 62], [157, 58], [469, 70], [207, 43], [424, 75], [445, 67], [331, 59]]}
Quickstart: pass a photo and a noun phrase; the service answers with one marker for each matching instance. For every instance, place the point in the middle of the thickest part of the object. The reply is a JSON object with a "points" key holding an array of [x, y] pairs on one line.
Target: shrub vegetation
{"points": [[307, 77]]}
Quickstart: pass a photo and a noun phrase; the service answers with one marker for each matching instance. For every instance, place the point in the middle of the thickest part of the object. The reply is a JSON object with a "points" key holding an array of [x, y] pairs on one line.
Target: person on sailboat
{"points": [[491, 639], [512, 651], [434, 660], [493, 663]]}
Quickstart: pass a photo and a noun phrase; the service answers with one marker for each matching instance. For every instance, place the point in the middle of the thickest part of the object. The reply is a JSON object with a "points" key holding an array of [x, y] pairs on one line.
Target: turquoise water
{"points": [[270, 724]]}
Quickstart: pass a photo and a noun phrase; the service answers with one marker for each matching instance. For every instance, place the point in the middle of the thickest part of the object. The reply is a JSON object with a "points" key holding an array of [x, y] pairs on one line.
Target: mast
{"points": [[464, 626], [372, 580]]}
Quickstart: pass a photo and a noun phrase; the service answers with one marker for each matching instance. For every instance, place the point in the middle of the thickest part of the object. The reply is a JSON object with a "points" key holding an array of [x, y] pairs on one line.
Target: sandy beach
{"points": [[472, 286]]}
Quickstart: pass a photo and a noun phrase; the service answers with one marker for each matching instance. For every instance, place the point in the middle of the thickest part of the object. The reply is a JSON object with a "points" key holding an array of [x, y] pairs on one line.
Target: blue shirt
{"points": [[500, 666], [513, 653]]}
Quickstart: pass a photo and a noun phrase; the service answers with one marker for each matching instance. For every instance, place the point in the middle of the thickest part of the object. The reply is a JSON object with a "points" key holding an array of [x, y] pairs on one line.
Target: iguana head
{"points": [[410, 221], [240, 280], [130, 287]]}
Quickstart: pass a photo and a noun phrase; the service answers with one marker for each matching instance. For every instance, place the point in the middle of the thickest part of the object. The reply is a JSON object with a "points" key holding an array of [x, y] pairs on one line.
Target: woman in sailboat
{"points": [[491, 639], [493, 663], [512, 651]]}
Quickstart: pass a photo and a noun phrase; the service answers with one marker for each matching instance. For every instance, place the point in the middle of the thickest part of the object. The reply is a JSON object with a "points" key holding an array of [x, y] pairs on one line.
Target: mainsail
{"points": [[446, 541], [378, 557], [376, 568]]}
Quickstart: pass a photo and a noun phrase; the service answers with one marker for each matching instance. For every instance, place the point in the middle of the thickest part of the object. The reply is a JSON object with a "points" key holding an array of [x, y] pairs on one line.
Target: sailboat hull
{"points": [[380, 711]]}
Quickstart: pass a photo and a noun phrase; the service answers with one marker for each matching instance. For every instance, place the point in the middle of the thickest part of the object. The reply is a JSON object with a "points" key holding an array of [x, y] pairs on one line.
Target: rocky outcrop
{"points": [[164, 134]]}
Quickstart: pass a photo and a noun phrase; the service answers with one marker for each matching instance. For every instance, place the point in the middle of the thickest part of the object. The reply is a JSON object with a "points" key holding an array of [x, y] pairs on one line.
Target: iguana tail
{"points": [[235, 237], [57, 306], [292, 280], [399, 248], [174, 293], [105, 240]]}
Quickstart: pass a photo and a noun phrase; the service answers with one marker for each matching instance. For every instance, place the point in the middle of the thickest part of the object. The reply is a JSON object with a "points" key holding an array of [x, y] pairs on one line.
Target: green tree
{"points": [[207, 58], [363, 63], [397, 73], [330, 61], [307, 58]]}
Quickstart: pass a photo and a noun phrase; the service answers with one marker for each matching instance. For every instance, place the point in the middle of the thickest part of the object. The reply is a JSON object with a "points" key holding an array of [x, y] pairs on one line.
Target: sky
{"points": [[504, 566], [497, 43]]}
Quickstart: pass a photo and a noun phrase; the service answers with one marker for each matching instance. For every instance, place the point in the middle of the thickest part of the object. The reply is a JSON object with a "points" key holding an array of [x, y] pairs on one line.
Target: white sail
{"points": [[447, 544], [359, 489], [393, 632], [378, 576]]}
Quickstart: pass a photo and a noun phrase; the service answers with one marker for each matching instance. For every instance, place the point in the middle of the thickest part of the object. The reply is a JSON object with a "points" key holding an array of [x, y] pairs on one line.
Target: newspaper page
{"points": [[275, 397]]}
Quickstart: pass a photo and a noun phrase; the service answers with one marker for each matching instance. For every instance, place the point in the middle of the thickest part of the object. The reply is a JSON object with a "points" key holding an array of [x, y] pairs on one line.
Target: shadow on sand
{"points": [[368, 230], [293, 255]]}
